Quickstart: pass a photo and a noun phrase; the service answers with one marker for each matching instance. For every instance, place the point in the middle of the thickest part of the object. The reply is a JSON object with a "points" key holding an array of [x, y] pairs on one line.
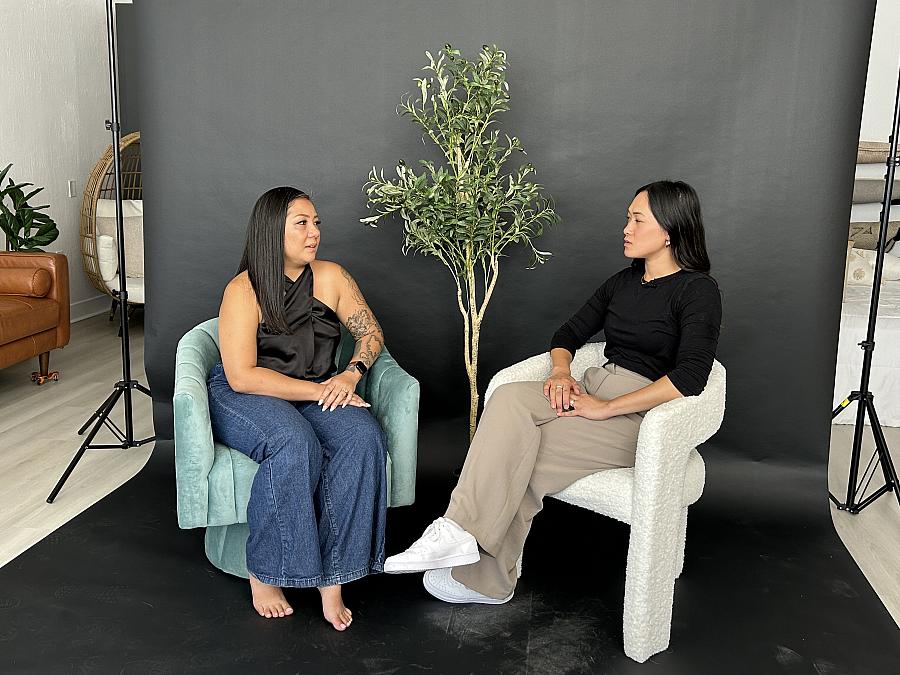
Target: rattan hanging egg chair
{"points": [[101, 185]]}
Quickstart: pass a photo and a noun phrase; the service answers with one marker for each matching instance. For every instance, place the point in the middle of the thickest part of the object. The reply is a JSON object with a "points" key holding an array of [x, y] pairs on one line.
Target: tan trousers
{"points": [[521, 452]]}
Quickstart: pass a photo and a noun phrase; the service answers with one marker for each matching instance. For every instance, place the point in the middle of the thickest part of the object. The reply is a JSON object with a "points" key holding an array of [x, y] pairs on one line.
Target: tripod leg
{"points": [[887, 466], [87, 441], [843, 404], [142, 388], [96, 412], [855, 453]]}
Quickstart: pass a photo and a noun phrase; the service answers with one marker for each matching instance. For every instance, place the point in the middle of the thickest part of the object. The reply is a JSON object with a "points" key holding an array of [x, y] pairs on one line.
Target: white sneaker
{"points": [[441, 584], [443, 544]]}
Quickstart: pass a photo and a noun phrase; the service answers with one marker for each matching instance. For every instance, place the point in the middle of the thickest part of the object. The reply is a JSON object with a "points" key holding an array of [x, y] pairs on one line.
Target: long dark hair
{"points": [[676, 207], [263, 257]]}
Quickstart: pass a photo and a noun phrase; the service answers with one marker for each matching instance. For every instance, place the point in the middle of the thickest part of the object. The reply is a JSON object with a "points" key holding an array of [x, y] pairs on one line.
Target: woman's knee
{"points": [[297, 442], [286, 435], [516, 394], [368, 439]]}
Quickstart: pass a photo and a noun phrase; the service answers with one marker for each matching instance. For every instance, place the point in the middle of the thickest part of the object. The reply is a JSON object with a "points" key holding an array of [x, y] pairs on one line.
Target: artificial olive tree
{"points": [[466, 209]]}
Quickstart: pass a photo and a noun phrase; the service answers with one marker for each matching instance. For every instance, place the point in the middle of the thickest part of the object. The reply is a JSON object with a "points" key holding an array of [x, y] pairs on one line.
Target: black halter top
{"points": [[308, 351]]}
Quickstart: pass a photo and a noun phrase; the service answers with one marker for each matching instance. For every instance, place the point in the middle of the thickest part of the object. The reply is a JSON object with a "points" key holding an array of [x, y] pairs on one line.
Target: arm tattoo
{"points": [[370, 352], [361, 323], [365, 330], [354, 288], [363, 326]]}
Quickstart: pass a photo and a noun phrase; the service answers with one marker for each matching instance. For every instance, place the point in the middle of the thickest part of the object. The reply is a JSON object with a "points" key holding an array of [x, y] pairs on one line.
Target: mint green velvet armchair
{"points": [[213, 481]]}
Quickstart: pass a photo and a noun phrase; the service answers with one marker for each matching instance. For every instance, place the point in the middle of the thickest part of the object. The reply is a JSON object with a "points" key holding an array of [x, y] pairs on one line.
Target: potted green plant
{"points": [[25, 226], [467, 209]]}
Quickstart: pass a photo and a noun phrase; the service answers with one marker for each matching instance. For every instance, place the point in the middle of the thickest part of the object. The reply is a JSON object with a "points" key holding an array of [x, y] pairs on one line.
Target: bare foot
{"points": [[333, 607], [268, 600]]}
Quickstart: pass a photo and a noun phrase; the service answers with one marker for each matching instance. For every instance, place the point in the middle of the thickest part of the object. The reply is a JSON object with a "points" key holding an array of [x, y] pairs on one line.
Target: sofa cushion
{"points": [[34, 282], [21, 316], [22, 350]]}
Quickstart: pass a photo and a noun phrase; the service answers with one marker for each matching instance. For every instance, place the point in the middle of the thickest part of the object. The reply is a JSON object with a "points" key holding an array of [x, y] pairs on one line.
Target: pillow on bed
{"points": [[891, 269], [872, 152], [865, 235], [868, 190], [860, 271]]}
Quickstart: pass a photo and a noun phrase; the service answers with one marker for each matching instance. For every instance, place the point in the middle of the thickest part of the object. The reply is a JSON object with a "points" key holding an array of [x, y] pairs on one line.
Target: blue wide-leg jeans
{"points": [[318, 503]]}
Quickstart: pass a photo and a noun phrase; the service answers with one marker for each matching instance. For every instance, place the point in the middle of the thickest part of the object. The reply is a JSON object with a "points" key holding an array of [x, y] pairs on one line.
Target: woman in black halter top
{"points": [[316, 512]]}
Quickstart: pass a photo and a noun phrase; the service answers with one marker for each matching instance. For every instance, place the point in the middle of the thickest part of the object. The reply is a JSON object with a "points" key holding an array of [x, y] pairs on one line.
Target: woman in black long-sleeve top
{"points": [[661, 318]]}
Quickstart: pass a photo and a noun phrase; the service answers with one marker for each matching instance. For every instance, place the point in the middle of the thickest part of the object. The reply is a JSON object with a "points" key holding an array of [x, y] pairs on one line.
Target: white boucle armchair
{"points": [[653, 497]]}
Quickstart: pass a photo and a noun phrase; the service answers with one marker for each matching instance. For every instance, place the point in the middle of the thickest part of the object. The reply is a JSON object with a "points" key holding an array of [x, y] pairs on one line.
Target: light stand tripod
{"points": [[864, 396], [124, 386]]}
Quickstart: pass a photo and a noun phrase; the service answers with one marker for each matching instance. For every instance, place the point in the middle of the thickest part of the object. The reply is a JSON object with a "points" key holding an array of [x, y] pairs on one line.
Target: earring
{"points": [[668, 243]]}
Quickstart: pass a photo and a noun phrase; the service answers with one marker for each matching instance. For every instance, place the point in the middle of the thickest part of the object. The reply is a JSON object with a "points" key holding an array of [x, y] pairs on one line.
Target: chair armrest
{"points": [[531, 369], [537, 368], [394, 396], [688, 421], [668, 434], [194, 449]]}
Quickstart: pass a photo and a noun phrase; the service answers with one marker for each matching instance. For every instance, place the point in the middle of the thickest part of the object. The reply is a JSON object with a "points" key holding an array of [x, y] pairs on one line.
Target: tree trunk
{"points": [[473, 383]]}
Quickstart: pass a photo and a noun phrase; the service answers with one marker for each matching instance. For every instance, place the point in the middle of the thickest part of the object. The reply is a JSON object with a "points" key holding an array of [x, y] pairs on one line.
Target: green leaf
{"points": [[32, 194]]}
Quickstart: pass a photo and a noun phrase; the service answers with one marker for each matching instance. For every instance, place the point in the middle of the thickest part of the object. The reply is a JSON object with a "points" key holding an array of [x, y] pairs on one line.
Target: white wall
{"points": [[884, 65], [54, 99]]}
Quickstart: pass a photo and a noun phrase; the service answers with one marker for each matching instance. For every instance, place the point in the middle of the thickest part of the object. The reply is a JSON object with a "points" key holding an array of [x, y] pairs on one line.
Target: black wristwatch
{"points": [[358, 366]]}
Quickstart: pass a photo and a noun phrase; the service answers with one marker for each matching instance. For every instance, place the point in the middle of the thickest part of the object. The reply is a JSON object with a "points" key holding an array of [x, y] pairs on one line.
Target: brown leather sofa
{"points": [[34, 308]]}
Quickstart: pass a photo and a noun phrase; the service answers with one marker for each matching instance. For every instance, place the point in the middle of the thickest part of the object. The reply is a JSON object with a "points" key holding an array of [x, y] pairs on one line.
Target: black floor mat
{"points": [[767, 588]]}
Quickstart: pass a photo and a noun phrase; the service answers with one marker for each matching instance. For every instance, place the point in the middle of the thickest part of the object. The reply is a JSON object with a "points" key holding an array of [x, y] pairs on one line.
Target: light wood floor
{"points": [[38, 438], [38, 433], [873, 536]]}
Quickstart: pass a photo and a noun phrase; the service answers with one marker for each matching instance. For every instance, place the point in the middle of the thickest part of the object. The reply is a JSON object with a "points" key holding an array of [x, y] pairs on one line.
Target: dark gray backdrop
{"points": [[756, 104]]}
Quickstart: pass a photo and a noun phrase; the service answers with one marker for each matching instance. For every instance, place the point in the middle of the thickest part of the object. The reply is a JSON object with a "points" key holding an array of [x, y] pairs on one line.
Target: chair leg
{"points": [[650, 584], [680, 542], [44, 374], [112, 309]]}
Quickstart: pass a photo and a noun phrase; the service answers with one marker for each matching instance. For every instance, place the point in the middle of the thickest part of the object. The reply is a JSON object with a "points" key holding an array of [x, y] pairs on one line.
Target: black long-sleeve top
{"points": [[669, 326]]}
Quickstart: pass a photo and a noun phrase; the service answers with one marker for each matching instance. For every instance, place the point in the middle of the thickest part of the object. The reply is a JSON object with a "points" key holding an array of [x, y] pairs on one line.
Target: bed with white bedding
{"points": [[884, 380]]}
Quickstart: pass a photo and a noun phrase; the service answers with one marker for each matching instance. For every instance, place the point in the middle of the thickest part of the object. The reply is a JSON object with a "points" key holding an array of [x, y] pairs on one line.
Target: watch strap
{"points": [[359, 366]]}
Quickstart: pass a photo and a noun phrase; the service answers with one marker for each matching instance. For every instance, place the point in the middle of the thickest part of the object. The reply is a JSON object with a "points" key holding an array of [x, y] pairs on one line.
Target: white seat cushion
{"points": [[134, 286], [610, 492], [133, 224]]}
